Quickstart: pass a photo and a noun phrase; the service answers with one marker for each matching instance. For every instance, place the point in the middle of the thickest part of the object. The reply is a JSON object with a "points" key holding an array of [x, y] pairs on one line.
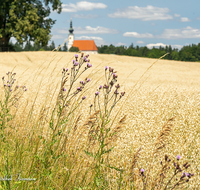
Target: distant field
{"points": [[168, 89]]}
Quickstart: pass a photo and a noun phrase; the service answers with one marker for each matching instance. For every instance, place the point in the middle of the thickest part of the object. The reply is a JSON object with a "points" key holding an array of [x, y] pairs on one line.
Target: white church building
{"points": [[85, 46]]}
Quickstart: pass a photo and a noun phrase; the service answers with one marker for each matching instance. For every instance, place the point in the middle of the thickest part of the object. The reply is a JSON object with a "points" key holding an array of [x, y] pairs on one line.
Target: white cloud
{"points": [[185, 19], [150, 46], [120, 44], [84, 16], [137, 35], [177, 15], [143, 13], [198, 18], [139, 42], [90, 30], [82, 6], [187, 32], [55, 37], [98, 40], [155, 45]]}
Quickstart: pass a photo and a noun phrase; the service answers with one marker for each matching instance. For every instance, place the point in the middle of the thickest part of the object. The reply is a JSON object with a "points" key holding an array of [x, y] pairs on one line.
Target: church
{"points": [[85, 46]]}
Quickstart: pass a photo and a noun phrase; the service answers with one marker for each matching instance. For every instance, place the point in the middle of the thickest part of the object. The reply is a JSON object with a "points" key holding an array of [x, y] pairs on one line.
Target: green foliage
{"points": [[65, 47], [74, 49], [27, 21], [187, 53]]}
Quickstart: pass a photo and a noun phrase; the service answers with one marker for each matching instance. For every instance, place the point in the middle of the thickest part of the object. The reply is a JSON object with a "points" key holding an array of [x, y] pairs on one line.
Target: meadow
{"points": [[77, 129]]}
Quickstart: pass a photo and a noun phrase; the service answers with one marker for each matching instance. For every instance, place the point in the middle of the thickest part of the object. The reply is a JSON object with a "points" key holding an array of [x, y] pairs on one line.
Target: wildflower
{"points": [[17, 86], [100, 87], [122, 93], [76, 63], [7, 81], [97, 93], [4, 84], [89, 65], [2, 78], [178, 157], [9, 85], [142, 171], [76, 55], [114, 75], [83, 98], [10, 90], [116, 92], [66, 70], [25, 89], [91, 105], [117, 86], [79, 88], [73, 61], [106, 67], [63, 69], [88, 80], [64, 89], [87, 55], [82, 54], [105, 86]]}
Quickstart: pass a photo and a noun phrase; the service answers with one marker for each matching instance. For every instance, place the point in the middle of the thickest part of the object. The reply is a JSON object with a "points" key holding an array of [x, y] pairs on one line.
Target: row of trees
{"points": [[186, 53], [36, 47]]}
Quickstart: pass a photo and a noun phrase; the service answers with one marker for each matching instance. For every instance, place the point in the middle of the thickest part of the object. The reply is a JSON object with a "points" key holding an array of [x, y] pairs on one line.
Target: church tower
{"points": [[71, 36]]}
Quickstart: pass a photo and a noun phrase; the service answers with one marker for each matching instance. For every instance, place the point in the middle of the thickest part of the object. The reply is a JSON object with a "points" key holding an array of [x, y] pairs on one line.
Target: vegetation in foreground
{"points": [[61, 150]]}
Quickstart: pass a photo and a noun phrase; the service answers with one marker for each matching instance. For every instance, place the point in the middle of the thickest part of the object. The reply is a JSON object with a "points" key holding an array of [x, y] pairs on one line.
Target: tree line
{"points": [[186, 53]]}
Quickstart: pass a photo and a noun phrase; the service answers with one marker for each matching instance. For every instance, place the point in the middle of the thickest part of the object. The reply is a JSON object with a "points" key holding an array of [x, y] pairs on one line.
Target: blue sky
{"points": [[122, 22]]}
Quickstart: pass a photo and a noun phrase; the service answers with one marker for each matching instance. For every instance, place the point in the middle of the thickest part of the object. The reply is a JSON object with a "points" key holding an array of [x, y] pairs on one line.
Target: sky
{"points": [[122, 22]]}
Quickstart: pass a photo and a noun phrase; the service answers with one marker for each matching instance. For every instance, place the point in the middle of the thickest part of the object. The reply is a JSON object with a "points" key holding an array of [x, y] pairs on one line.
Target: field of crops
{"points": [[156, 120]]}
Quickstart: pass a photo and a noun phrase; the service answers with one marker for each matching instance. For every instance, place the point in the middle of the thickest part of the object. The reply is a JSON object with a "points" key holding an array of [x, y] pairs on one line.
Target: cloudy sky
{"points": [[122, 22]]}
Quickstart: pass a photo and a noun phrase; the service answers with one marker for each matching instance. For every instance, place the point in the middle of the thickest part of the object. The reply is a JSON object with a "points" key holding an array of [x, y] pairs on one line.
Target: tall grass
{"points": [[70, 144]]}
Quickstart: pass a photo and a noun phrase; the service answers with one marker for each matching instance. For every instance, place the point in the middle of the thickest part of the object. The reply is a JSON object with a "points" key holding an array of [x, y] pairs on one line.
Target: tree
{"points": [[74, 49], [65, 47], [26, 20]]}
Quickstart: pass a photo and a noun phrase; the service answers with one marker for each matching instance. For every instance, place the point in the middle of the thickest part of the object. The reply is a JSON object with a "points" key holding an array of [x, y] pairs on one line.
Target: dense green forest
{"points": [[186, 53]]}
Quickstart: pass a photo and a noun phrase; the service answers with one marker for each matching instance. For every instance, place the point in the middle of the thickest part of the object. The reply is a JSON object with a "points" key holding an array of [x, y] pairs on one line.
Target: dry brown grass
{"points": [[169, 89]]}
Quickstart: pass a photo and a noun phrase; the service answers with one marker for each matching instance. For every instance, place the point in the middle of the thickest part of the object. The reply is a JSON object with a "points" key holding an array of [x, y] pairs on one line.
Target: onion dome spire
{"points": [[71, 29]]}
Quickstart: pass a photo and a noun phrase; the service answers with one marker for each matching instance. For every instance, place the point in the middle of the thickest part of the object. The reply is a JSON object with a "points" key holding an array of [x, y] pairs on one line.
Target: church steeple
{"points": [[71, 29]]}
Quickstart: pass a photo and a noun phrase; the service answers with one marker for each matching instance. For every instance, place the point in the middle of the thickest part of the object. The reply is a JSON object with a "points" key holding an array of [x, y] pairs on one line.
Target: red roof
{"points": [[85, 45]]}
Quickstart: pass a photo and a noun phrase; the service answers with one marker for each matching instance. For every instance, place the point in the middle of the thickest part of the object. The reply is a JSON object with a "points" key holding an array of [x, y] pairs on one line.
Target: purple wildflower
{"points": [[88, 80], [64, 89], [122, 93], [25, 89], [106, 67], [7, 81], [9, 85], [97, 93], [142, 171], [2, 78], [10, 90], [178, 157], [85, 58], [76, 63], [76, 55], [17, 86], [63, 68], [89, 65], [114, 75], [91, 105], [100, 87], [4, 84], [83, 98], [79, 88]]}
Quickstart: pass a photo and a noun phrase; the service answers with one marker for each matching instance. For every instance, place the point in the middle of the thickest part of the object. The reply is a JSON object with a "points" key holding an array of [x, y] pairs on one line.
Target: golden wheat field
{"points": [[167, 89]]}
